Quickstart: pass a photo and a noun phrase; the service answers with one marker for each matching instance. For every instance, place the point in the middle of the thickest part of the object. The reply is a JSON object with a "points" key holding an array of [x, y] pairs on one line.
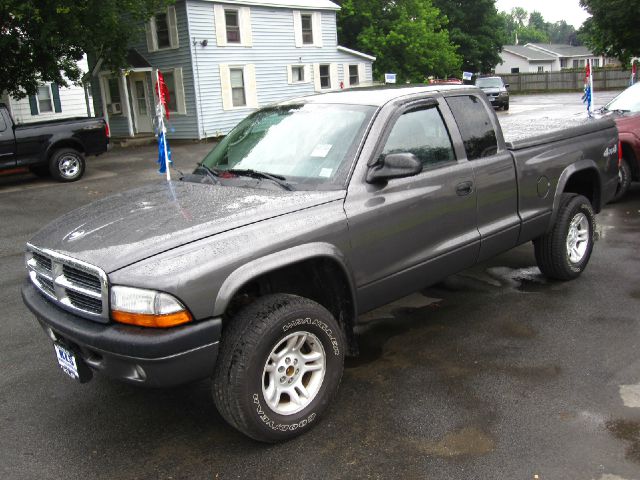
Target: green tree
{"points": [[562, 32], [612, 28], [478, 31], [408, 37], [517, 31], [536, 20], [41, 40]]}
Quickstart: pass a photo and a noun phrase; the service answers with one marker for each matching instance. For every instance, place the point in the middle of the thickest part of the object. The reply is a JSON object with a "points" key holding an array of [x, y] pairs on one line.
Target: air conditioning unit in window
{"points": [[114, 108]]}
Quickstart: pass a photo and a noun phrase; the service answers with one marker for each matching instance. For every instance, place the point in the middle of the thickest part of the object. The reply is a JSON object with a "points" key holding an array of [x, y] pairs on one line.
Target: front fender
{"points": [[269, 263]]}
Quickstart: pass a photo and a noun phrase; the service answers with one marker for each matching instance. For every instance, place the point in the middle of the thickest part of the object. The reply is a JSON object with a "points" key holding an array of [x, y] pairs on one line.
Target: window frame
{"points": [[157, 30], [236, 28], [308, 31], [53, 108], [488, 109], [540, 69], [357, 75], [300, 68], [327, 76], [244, 86]]}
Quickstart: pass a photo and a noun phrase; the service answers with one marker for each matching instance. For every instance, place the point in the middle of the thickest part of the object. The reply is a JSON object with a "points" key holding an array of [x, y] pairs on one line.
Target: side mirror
{"points": [[506, 85], [395, 165]]}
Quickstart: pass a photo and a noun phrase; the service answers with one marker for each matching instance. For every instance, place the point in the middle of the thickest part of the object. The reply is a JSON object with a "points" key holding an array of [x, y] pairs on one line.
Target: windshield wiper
{"points": [[279, 179], [212, 174]]}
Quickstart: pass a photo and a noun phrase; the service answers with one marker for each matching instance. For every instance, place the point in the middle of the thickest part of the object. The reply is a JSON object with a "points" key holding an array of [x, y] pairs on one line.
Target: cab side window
{"points": [[475, 126], [3, 125], [423, 133]]}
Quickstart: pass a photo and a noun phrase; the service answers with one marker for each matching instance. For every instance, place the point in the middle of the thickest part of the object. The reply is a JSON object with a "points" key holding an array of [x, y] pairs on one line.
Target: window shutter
{"points": [[345, 75], [181, 104], [150, 28], [221, 27], [297, 27], [317, 29], [225, 87], [316, 77], [246, 35], [33, 104], [289, 75], [362, 74], [173, 27], [251, 86], [307, 73], [55, 93], [333, 71]]}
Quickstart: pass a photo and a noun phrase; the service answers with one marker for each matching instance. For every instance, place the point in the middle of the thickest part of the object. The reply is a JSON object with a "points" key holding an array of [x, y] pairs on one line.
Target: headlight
{"points": [[147, 308]]}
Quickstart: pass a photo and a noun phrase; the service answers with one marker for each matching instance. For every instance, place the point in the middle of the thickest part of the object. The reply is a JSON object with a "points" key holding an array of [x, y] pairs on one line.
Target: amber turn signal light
{"points": [[149, 320]]}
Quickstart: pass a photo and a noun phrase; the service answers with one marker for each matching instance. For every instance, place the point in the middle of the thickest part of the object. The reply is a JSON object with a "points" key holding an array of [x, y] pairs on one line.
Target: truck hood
{"points": [[122, 229]]}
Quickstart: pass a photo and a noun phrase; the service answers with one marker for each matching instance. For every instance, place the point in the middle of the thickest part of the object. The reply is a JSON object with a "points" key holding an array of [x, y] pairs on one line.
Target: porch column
{"points": [[103, 98], [125, 101]]}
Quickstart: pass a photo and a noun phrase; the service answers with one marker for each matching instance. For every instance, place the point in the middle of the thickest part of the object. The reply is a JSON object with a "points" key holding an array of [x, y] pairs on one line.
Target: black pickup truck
{"points": [[57, 148]]}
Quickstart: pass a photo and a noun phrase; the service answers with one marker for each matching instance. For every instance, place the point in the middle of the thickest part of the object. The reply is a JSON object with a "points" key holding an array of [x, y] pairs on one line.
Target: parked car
{"points": [[496, 90], [253, 269], [57, 148], [445, 81], [625, 109]]}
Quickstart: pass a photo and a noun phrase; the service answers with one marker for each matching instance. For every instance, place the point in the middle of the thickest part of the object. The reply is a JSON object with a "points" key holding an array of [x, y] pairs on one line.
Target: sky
{"points": [[552, 10]]}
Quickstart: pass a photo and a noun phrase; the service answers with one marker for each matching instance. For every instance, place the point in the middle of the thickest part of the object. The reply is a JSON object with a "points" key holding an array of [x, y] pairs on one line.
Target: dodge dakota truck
{"points": [[253, 269], [57, 147]]}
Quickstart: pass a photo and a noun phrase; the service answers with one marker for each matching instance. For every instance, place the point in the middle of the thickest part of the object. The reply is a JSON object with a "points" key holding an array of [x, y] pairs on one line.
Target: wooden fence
{"points": [[604, 79]]}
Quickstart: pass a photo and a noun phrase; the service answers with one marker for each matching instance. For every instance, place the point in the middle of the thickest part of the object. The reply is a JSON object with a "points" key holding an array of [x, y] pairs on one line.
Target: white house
{"points": [[542, 57], [222, 59], [52, 102]]}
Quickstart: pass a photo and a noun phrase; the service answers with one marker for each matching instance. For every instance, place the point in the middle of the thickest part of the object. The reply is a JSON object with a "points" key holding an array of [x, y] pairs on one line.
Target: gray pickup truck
{"points": [[253, 269]]}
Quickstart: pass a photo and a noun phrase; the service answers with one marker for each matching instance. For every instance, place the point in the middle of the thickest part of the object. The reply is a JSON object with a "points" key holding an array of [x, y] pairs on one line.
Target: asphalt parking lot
{"points": [[495, 373]]}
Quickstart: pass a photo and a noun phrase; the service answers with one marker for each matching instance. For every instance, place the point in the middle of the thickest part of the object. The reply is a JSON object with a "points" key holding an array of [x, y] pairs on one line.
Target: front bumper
{"points": [[143, 356]]}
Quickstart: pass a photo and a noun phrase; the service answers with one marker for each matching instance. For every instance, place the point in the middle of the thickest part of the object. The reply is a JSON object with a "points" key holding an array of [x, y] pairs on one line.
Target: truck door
{"points": [[494, 172], [7, 141], [407, 233]]}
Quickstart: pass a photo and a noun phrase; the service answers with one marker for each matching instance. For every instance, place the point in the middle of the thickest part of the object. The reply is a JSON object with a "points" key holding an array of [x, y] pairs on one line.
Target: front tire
{"points": [[506, 106], [280, 363], [564, 252], [67, 165], [624, 180]]}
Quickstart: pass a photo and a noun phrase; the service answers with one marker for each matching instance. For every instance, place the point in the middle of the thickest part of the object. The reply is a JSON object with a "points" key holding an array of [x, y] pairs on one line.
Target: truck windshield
{"points": [[311, 146], [627, 101], [489, 82]]}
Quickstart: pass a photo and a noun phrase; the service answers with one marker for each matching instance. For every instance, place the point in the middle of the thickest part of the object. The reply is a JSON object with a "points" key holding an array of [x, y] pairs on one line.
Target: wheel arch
{"points": [[318, 271], [630, 150], [63, 143], [582, 178]]}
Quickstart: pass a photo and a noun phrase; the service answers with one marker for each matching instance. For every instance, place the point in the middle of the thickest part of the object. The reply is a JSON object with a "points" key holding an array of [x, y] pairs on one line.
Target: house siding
{"points": [[72, 102], [273, 49]]}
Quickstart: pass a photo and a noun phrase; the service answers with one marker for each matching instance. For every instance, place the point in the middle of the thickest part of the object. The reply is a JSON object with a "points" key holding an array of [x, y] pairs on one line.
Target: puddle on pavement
{"points": [[526, 279], [467, 441], [629, 431]]}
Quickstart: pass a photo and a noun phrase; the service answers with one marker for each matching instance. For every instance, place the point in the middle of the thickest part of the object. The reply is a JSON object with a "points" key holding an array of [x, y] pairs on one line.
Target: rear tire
{"points": [[67, 165], [280, 363], [506, 106], [624, 181], [564, 252]]}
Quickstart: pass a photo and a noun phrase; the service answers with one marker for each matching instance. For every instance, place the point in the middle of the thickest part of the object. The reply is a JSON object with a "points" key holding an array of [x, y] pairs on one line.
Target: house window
{"points": [[540, 69], [563, 63], [325, 76], [582, 63], [232, 25], [162, 31], [595, 62], [515, 70], [306, 20], [170, 82], [353, 75], [575, 64], [45, 99], [297, 74], [238, 97]]}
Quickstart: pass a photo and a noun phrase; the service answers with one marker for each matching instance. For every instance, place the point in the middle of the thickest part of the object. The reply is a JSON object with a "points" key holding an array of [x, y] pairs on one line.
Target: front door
{"points": [[142, 103], [411, 232]]}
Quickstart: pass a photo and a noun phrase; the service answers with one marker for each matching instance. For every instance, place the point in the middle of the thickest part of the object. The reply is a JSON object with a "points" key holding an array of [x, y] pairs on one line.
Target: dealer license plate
{"points": [[67, 361]]}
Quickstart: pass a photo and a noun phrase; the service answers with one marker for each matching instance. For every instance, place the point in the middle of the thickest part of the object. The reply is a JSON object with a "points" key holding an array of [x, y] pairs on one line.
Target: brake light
{"points": [[107, 132], [619, 153]]}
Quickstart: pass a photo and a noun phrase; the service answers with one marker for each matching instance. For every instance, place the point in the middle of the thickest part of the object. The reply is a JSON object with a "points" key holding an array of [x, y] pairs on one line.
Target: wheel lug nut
{"points": [[290, 380], [297, 371], [287, 360], [281, 369], [283, 379], [295, 361]]}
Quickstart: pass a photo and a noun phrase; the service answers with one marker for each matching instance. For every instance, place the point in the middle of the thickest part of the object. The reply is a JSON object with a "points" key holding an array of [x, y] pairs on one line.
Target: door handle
{"points": [[464, 188]]}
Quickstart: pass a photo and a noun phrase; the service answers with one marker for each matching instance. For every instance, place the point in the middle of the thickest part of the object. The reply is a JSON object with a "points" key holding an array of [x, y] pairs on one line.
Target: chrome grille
{"points": [[72, 284]]}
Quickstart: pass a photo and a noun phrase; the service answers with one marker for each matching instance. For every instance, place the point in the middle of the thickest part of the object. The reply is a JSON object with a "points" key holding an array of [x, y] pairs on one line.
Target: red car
{"points": [[626, 108]]}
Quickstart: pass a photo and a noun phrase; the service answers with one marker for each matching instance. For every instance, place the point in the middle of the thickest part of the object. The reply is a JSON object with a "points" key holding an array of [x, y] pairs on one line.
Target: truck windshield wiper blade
{"points": [[279, 179], [212, 174]]}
